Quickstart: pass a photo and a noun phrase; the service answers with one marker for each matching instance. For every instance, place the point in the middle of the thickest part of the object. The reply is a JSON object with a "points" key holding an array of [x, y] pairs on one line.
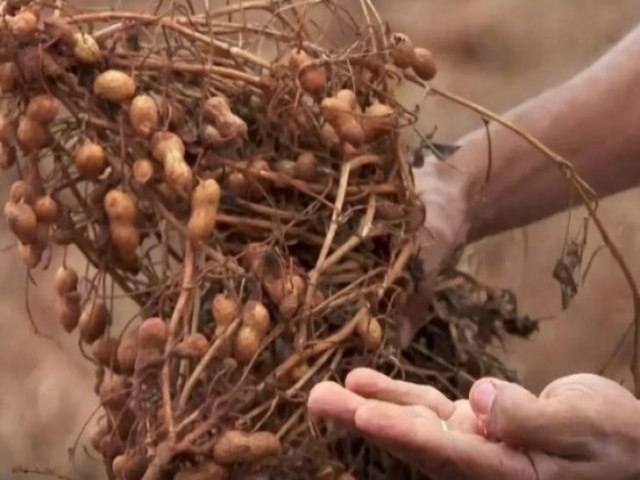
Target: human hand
{"points": [[445, 191], [581, 427]]}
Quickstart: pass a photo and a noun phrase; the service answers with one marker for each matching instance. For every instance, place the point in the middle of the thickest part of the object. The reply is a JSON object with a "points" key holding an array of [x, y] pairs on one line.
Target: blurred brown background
{"points": [[496, 52]]}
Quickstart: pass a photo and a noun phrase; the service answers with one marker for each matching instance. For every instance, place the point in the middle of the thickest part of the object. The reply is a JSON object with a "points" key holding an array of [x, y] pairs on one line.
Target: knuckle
{"points": [[586, 413], [435, 400], [430, 392]]}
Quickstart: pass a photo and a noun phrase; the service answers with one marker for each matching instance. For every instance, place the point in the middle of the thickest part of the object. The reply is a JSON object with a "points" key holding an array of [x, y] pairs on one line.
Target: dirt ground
{"points": [[496, 52]]}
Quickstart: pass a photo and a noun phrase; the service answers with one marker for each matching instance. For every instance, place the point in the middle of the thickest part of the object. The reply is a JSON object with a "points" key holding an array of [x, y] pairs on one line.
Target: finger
{"points": [[416, 436], [511, 414], [371, 384], [408, 330], [586, 384], [330, 400], [413, 315]]}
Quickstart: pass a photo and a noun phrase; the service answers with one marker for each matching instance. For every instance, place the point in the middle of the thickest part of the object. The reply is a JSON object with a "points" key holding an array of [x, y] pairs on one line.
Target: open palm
{"points": [[582, 427], [406, 419]]}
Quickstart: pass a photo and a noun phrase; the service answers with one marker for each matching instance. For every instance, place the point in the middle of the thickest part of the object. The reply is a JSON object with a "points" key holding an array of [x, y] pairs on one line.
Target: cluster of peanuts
{"points": [[157, 164], [29, 218], [345, 126], [122, 362]]}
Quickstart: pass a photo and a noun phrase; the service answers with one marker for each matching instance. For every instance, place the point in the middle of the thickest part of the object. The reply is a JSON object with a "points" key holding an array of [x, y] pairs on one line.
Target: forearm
{"points": [[592, 120]]}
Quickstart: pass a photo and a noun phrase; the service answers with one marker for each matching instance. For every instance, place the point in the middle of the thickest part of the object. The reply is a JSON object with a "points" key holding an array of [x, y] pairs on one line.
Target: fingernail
{"points": [[482, 398]]}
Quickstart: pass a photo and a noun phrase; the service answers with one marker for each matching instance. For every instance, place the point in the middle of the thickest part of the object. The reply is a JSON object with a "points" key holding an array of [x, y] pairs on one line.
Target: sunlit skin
{"points": [[580, 427]]}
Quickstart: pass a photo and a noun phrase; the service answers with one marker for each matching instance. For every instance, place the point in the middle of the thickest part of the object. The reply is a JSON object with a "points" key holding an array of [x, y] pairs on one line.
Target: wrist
{"points": [[445, 189], [461, 180]]}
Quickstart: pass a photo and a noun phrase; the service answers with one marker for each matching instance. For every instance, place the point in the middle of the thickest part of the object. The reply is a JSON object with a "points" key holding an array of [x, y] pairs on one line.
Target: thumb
{"points": [[414, 312], [511, 414]]}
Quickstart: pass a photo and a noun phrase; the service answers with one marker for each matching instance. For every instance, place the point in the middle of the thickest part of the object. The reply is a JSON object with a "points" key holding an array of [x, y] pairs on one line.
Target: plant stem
{"points": [[179, 314]]}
